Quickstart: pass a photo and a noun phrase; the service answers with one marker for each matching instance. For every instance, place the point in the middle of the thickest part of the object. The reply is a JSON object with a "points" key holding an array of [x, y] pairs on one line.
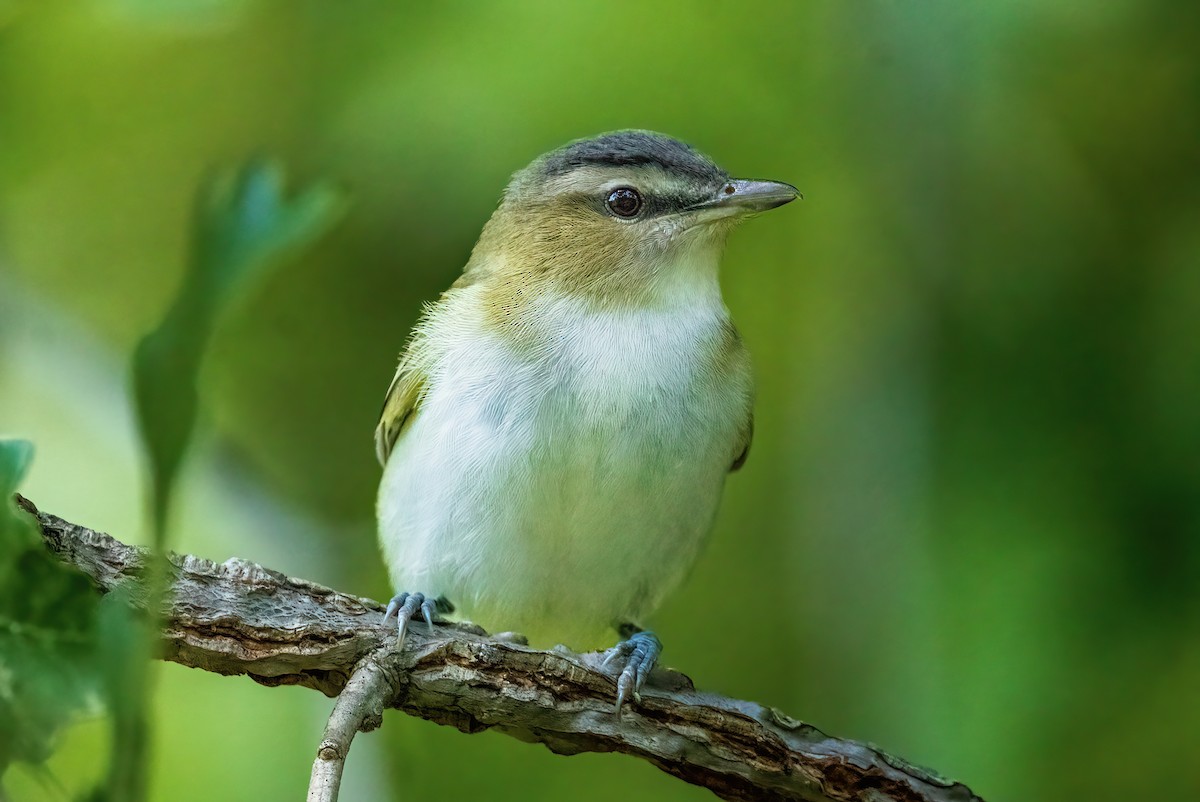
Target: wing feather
{"points": [[417, 364], [399, 407], [742, 448], [737, 362]]}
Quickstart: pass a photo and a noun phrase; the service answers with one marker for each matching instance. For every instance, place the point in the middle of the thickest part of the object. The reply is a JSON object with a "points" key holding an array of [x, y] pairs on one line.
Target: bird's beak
{"points": [[741, 196]]}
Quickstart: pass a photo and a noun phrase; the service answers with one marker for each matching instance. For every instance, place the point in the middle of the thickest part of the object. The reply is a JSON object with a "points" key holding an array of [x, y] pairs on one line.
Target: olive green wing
{"points": [[417, 365], [399, 408], [741, 449], [734, 361]]}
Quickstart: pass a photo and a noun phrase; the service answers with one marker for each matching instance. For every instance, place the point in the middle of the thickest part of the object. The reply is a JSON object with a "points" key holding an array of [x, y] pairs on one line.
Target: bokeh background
{"points": [[969, 529]]}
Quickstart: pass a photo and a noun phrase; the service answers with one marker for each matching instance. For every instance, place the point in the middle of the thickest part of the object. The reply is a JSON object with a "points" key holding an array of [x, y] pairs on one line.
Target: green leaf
{"points": [[16, 531], [244, 226], [47, 616]]}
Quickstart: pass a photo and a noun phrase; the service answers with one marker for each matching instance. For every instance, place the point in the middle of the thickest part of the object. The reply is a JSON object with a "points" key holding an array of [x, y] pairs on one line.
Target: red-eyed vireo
{"points": [[558, 433]]}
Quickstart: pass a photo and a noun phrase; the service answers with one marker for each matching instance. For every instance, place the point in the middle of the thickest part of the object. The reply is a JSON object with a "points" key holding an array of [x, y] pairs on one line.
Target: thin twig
{"points": [[359, 707], [241, 618]]}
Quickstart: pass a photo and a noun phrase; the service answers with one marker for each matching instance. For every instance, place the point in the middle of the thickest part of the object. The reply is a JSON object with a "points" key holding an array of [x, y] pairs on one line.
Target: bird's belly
{"points": [[562, 496]]}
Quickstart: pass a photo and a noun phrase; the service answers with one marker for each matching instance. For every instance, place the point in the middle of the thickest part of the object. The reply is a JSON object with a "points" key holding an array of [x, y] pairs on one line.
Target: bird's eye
{"points": [[624, 202]]}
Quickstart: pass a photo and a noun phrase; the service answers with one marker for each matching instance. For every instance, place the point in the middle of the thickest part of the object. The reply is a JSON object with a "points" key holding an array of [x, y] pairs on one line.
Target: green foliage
{"points": [[243, 226], [47, 628], [63, 648]]}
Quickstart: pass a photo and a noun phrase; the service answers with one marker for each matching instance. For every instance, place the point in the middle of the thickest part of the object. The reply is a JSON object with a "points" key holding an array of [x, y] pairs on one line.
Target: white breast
{"points": [[562, 491]]}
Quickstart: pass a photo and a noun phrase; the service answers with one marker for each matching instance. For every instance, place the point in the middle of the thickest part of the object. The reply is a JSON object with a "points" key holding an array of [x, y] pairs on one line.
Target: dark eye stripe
{"points": [[656, 205], [653, 204]]}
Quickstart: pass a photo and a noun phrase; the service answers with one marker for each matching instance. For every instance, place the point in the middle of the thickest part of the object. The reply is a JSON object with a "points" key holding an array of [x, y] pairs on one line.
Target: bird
{"points": [[557, 435]]}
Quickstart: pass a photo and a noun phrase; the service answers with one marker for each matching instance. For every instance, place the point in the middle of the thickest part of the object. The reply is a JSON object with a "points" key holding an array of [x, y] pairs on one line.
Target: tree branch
{"points": [[359, 707], [240, 618]]}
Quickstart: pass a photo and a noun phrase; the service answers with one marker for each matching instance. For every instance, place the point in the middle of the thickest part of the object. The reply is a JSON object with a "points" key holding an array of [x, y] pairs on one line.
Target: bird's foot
{"points": [[640, 653], [405, 605]]}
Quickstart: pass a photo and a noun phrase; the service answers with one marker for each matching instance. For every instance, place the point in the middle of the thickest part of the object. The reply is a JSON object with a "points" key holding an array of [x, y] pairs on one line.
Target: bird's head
{"points": [[618, 218]]}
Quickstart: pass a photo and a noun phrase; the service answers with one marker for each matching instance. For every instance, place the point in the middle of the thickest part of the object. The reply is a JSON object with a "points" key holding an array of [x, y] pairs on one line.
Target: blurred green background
{"points": [[969, 530]]}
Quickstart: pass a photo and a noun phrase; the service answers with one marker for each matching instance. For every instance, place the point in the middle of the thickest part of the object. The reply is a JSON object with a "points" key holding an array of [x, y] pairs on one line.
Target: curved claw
{"points": [[641, 653], [404, 606], [427, 608], [393, 606]]}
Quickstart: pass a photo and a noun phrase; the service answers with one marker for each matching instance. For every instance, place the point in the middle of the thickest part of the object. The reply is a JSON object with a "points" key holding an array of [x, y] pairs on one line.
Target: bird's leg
{"points": [[639, 650], [405, 605]]}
